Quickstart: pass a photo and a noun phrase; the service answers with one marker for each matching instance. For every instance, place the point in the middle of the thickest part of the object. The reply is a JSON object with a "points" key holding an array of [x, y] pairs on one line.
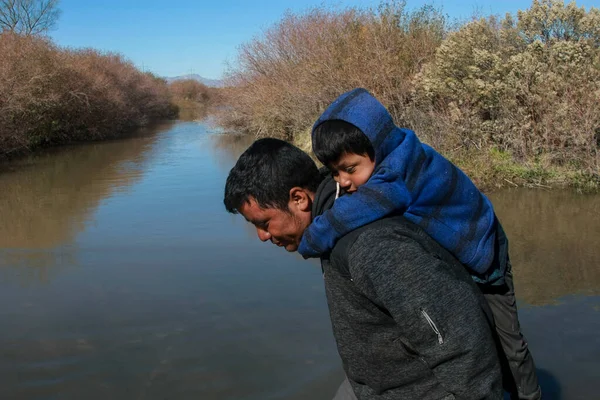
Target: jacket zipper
{"points": [[432, 325]]}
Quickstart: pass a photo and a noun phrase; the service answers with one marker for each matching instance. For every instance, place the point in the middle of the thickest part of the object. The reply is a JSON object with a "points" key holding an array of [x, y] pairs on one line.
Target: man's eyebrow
{"points": [[256, 222]]}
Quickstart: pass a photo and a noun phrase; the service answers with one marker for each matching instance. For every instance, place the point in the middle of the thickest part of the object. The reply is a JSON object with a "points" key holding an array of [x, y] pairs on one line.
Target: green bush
{"points": [[529, 87]]}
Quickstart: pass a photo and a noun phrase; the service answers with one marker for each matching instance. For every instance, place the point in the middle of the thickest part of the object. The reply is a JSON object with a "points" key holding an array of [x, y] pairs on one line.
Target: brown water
{"points": [[122, 277]]}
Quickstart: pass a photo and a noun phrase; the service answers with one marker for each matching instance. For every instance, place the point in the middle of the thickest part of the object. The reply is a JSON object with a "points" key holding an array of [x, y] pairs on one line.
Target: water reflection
{"points": [[554, 242], [169, 298], [231, 146], [49, 197], [35, 265], [564, 341], [189, 111]]}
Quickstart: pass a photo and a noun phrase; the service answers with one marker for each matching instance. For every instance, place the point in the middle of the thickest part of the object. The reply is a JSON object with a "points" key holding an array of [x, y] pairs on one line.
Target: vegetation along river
{"points": [[122, 277]]}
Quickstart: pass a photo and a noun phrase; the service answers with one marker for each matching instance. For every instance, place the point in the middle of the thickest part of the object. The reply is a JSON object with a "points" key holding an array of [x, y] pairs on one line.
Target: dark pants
{"points": [[516, 358]]}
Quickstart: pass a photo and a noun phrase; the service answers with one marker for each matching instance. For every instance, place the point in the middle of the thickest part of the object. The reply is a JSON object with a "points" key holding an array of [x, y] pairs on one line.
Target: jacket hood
{"points": [[359, 108]]}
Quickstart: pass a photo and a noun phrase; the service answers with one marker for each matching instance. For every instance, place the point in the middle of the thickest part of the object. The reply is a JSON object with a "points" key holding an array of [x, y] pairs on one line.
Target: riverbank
{"points": [[10, 162], [52, 95]]}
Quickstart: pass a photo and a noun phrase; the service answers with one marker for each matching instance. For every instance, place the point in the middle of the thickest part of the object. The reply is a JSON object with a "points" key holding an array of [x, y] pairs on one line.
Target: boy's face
{"points": [[352, 170]]}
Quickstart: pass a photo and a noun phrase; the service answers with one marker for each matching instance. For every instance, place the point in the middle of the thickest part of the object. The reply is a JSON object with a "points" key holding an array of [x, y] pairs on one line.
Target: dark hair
{"points": [[267, 171], [333, 138]]}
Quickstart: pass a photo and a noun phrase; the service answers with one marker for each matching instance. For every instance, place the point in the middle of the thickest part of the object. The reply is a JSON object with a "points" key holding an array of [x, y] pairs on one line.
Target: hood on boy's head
{"points": [[364, 111]]}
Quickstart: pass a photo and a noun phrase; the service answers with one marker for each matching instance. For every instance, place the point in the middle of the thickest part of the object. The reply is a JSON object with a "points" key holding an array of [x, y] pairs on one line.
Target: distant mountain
{"points": [[196, 77]]}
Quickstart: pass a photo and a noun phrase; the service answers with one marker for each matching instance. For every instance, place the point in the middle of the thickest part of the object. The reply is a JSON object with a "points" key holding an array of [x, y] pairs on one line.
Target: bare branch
{"points": [[28, 17]]}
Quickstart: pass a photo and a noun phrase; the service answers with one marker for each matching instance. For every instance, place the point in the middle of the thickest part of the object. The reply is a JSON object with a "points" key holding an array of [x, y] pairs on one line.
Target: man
{"points": [[408, 320]]}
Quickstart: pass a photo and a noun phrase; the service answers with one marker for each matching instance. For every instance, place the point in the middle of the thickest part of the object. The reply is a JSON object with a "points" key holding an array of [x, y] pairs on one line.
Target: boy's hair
{"points": [[267, 171], [333, 138]]}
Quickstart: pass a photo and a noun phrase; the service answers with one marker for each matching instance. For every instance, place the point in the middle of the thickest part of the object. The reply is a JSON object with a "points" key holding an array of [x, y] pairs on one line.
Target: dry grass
{"points": [[286, 78], [50, 95]]}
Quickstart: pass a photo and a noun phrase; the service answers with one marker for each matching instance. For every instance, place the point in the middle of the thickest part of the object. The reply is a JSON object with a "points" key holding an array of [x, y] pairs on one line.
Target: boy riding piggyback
{"points": [[385, 170]]}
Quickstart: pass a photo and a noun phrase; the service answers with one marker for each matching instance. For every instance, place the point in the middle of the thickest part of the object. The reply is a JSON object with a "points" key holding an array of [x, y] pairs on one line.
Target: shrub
{"points": [[190, 90], [529, 87], [526, 87], [284, 79], [194, 99], [51, 95]]}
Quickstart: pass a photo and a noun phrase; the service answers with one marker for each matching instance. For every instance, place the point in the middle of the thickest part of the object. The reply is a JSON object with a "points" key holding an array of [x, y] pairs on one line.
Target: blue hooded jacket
{"points": [[412, 179]]}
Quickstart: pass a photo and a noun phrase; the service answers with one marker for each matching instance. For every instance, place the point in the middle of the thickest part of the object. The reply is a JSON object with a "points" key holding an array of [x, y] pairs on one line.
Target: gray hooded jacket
{"points": [[408, 320]]}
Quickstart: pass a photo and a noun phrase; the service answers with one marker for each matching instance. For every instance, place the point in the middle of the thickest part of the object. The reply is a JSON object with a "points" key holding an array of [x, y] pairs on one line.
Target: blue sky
{"points": [[173, 38]]}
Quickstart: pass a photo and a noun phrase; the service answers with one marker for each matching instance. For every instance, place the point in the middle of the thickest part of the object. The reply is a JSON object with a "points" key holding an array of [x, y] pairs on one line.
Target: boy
{"points": [[387, 170]]}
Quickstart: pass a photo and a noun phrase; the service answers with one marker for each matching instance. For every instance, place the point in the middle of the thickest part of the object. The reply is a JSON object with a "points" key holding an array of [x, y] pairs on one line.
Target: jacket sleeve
{"points": [[437, 309], [383, 194]]}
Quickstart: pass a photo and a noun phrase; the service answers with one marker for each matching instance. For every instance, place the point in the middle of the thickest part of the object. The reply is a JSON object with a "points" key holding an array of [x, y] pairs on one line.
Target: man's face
{"points": [[352, 170], [282, 228]]}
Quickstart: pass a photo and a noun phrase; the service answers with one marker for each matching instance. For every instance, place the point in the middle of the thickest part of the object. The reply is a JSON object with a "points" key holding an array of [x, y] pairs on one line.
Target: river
{"points": [[122, 277]]}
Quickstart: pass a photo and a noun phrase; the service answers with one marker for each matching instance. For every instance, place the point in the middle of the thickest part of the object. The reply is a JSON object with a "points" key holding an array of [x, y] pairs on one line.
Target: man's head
{"points": [[346, 151], [273, 185]]}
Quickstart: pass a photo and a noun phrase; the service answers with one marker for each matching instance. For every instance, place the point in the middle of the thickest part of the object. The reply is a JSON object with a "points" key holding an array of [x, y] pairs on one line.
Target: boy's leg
{"points": [[504, 308]]}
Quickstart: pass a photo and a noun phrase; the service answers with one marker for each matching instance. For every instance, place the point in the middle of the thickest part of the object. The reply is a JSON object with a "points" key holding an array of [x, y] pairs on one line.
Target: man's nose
{"points": [[263, 235]]}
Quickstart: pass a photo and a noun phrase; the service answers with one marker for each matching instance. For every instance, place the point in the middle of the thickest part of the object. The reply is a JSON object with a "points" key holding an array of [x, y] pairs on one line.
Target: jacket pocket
{"points": [[433, 326]]}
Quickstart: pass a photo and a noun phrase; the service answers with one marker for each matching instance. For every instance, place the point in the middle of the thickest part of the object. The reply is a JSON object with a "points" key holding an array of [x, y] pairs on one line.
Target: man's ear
{"points": [[300, 199]]}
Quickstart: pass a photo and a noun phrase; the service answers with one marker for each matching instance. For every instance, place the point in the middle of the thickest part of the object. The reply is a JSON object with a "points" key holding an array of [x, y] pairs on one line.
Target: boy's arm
{"points": [[437, 311], [386, 192], [383, 194]]}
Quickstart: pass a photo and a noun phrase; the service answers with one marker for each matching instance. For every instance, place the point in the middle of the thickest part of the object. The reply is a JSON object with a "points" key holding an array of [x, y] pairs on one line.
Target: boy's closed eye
{"points": [[352, 170], [349, 170]]}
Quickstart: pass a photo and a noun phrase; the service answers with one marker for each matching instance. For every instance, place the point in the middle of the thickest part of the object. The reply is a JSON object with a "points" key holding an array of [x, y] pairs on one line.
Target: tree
{"points": [[28, 17], [553, 20]]}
